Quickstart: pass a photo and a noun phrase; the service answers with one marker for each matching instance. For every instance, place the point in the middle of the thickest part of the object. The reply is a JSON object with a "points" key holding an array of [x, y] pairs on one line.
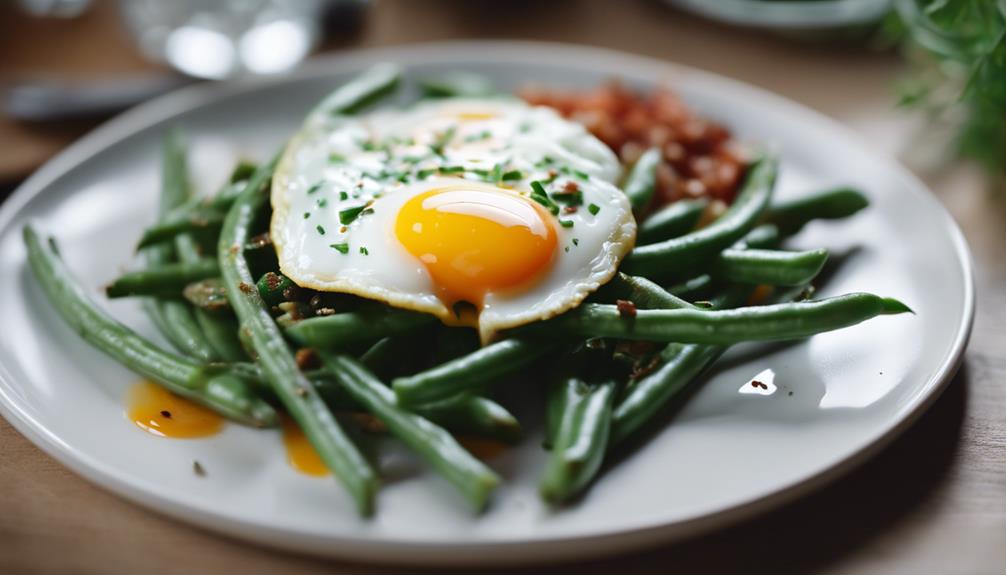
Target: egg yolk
{"points": [[476, 239], [160, 412], [300, 454]]}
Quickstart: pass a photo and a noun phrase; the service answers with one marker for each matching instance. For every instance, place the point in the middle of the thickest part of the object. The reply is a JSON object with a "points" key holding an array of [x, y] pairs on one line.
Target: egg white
{"points": [[380, 161]]}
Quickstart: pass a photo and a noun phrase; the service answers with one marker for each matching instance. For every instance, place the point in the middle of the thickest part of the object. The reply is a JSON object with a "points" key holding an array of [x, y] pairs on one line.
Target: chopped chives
{"points": [[321, 230], [347, 215], [322, 202], [343, 196], [442, 140], [341, 248], [364, 251], [576, 242], [513, 175], [593, 209], [566, 223], [569, 198], [314, 188], [307, 215]]}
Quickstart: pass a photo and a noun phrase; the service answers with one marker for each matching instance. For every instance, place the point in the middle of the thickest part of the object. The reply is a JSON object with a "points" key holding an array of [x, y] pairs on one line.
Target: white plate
{"points": [[725, 456]]}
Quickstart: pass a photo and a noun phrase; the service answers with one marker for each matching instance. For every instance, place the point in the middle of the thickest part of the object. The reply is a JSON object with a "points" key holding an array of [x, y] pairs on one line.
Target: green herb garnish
{"points": [[321, 230], [539, 195], [347, 215], [341, 248], [442, 140], [593, 209]]}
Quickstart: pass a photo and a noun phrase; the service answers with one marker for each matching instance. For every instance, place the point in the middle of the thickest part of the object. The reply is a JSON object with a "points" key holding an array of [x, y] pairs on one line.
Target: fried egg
{"points": [[488, 213]]}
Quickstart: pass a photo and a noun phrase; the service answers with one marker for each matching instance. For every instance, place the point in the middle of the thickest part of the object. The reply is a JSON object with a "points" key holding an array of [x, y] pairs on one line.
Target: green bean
{"points": [[760, 323], [220, 330], [172, 317], [219, 389], [562, 391], [792, 215], [199, 212], [193, 220], [243, 170], [771, 267], [163, 280], [462, 414], [693, 288], [274, 287], [469, 475], [642, 180], [279, 367], [671, 221], [370, 86], [681, 364], [468, 372], [473, 415], [457, 85], [665, 259], [763, 237], [368, 324], [384, 357], [642, 292], [208, 294], [580, 444]]}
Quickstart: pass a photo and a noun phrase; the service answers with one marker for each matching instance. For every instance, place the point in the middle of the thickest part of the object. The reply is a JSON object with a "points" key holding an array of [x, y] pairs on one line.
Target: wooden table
{"points": [[933, 502]]}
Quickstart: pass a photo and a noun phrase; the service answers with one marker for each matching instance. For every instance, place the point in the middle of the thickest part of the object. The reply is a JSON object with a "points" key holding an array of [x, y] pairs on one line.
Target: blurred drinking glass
{"points": [[221, 38]]}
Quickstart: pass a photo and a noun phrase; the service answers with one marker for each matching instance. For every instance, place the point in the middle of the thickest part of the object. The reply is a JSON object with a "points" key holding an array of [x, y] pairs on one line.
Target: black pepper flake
{"points": [[198, 469], [626, 308], [165, 414]]}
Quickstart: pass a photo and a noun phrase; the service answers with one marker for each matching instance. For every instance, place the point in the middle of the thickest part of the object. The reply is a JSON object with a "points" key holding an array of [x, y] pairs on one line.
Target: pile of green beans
{"points": [[250, 343]]}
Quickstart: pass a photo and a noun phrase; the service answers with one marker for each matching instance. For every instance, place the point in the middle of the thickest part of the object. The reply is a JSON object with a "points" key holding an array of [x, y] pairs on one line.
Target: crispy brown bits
{"points": [[571, 187], [569, 209], [306, 358], [165, 414], [626, 308], [260, 241], [700, 156], [758, 385], [369, 423], [245, 287]]}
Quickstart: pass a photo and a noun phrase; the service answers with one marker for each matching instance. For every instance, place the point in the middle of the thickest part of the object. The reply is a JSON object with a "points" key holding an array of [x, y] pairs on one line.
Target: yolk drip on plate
{"points": [[300, 454], [476, 240], [160, 412]]}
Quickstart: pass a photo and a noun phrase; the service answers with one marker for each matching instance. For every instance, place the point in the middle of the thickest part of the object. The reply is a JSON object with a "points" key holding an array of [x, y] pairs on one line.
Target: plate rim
{"points": [[589, 542]]}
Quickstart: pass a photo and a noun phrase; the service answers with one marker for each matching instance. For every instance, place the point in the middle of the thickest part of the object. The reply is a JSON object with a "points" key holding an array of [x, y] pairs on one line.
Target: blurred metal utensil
{"points": [[53, 100]]}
